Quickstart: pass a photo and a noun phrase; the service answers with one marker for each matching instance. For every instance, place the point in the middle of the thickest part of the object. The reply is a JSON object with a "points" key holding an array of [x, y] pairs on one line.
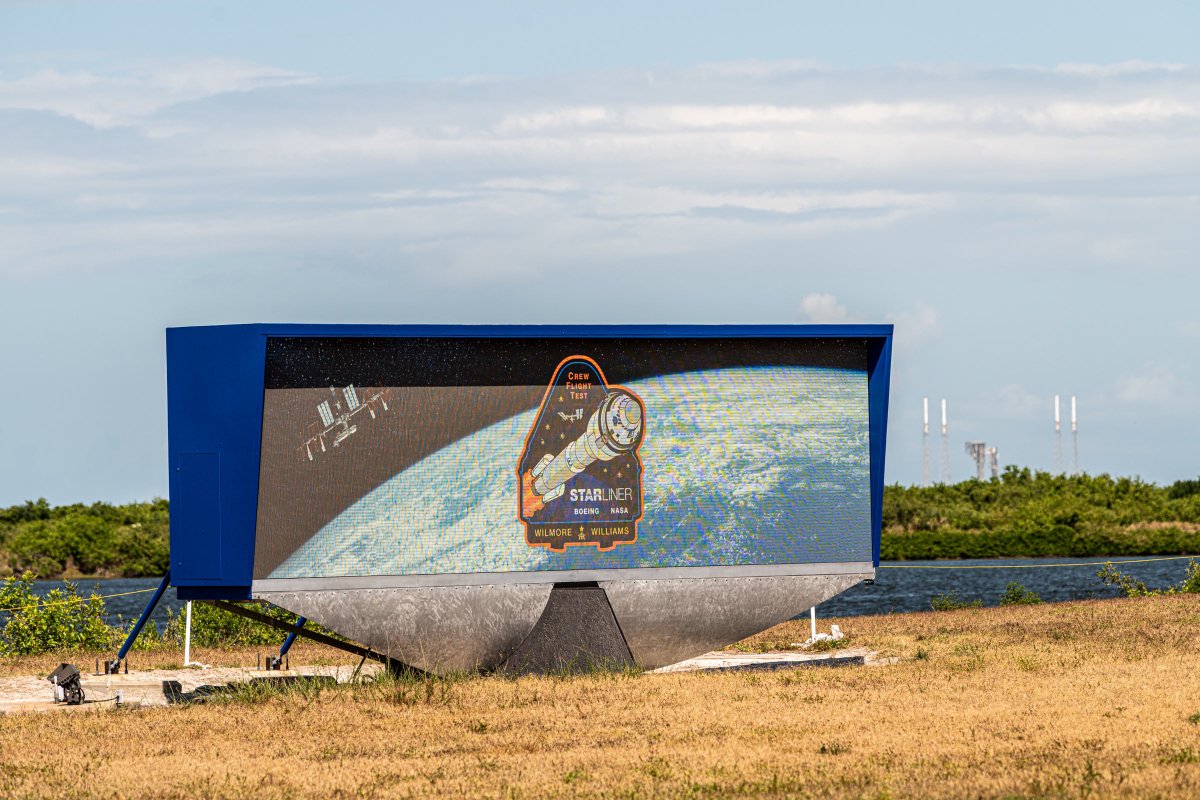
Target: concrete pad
{"points": [[158, 687], [162, 687], [135, 689], [733, 661]]}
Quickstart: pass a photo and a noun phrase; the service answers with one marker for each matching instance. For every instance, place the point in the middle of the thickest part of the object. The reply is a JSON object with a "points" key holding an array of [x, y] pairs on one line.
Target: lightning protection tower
{"points": [[945, 446], [1074, 440], [979, 452], [1058, 450], [925, 446]]}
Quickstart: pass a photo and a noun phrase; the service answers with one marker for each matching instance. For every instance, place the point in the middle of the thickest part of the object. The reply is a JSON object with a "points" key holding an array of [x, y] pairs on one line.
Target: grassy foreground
{"points": [[1088, 699]]}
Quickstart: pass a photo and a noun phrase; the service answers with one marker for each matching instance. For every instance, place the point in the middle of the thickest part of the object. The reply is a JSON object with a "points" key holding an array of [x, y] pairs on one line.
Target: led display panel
{"points": [[411, 456]]}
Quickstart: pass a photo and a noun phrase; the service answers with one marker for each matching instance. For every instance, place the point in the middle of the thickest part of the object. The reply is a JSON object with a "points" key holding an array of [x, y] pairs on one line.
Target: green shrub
{"points": [[140, 552], [1181, 489], [1017, 595], [1129, 586], [1191, 583], [62, 620], [825, 645], [1132, 587], [951, 602], [65, 620], [215, 627]]}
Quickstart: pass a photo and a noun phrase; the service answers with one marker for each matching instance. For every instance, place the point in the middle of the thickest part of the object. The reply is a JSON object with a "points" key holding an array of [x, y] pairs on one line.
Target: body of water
{"points": [[898, 587], [125, 607]]}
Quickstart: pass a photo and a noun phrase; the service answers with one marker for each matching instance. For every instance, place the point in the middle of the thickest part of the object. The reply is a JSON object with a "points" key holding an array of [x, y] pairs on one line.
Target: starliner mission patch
{"points": [[580, 475]]}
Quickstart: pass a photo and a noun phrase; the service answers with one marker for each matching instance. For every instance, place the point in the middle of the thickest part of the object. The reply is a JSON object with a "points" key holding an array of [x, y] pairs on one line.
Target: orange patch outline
{"points": [[636, 454]]}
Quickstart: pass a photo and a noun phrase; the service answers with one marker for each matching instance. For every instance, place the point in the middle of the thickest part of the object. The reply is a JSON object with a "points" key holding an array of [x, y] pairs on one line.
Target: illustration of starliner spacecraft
{"points": [[585, 439], [614, 428]]}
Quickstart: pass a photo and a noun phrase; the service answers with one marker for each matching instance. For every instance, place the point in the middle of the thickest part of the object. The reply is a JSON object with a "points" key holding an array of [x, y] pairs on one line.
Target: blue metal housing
{"points": [[215, 390]]}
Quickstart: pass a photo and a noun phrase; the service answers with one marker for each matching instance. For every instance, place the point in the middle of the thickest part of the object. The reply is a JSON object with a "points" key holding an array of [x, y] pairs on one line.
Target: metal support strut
{"points": [[279, 662], [291, 637], [111, 667], [393, 666]]}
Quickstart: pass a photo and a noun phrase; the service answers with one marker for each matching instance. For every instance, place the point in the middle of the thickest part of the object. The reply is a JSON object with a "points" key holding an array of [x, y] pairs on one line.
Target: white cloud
{"points": [[1155, 386], [916, 326], [1062, 202], [720, 158], [1188, 328], [109, 100], [1134, 67], [820, 308], [1017, 402], [913, 327]]}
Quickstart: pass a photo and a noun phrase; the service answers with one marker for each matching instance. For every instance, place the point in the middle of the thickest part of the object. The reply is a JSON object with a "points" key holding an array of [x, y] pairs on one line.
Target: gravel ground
{"points": [[148, 687], [161, 687]]}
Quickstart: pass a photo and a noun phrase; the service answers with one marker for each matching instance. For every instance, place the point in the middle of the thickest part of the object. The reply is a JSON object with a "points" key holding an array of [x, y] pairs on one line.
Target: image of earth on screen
{"points": [[408, 456]]}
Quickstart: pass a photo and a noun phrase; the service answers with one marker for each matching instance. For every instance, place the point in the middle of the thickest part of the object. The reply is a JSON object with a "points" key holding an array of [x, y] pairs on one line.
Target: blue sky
{"points": [[1015, 187], [375, 41]]}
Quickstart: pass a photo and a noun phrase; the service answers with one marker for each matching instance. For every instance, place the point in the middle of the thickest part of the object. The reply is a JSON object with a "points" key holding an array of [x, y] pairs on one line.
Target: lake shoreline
{"points": [[1057, 541], [942, 546], [899, 586]]}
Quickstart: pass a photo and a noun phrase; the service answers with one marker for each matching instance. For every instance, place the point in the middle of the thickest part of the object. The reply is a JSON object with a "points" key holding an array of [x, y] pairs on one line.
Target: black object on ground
{"points": [[67, 677]]}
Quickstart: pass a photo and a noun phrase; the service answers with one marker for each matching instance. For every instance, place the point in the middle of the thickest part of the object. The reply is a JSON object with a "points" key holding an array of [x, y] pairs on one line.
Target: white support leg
{"points": [[187, 635]]}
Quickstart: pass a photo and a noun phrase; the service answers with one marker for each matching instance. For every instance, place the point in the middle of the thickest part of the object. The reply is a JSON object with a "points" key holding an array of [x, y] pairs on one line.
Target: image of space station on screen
{"points": [[444, 456]]}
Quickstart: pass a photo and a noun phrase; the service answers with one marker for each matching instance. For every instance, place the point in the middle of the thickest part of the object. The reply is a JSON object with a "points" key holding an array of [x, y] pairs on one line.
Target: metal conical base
{"points": [[577, 632], [651, 621]]}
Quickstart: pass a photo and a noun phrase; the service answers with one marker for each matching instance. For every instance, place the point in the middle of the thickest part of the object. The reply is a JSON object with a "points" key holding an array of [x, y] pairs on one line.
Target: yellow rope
{"points": [[1031, 566], [75, 600]]}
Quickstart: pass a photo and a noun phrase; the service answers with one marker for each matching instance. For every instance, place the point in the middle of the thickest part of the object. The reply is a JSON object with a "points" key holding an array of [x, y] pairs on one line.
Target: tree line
{"points": [[1028, 513], [101, 539], [1021, 513]]}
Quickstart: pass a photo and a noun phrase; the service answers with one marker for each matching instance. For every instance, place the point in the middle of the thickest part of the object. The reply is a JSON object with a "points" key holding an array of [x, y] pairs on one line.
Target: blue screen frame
{"points": [[215, 391]]}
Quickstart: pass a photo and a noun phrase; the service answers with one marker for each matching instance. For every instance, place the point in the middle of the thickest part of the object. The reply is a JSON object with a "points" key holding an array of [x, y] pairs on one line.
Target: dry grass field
{"points": [[1080, 700]]}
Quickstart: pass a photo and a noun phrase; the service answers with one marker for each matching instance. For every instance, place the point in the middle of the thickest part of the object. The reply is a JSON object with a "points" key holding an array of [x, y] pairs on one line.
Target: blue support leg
{"points": [[110, 667], [291, 637], [277, 662]]}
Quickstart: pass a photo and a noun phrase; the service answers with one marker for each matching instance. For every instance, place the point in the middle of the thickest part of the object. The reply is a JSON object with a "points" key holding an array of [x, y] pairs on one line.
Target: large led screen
{"points": [[458, 456]]}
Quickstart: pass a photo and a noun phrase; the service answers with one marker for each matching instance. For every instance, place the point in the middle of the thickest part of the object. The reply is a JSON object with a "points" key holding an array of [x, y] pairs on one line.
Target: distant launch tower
{"points": [[925, 446], [994, 461], [945, 446], [979, 452]]}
